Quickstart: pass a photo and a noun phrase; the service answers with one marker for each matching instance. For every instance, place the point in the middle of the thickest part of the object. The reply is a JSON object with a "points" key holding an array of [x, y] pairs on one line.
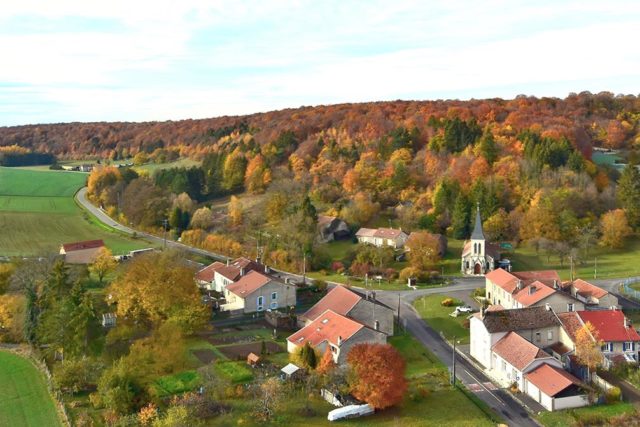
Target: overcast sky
{"points": [[135, 60]]}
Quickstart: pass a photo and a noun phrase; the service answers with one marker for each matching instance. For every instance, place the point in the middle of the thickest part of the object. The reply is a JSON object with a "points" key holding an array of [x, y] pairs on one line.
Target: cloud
{"points": [[143, 60]]}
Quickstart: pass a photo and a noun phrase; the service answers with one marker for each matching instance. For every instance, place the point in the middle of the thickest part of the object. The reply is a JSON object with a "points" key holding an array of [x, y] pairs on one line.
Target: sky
{"points": [[140, 60]]}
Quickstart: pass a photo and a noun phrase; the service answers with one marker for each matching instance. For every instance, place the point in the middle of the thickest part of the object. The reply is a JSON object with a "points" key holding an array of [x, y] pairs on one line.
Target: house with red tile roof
{"points": [[335, 332], [81, 252], [513, 356], [555, 388], [217, 276], [590, 295], [620, 340], [361, 307], [255, 292], [380, 237], [537, 325], [529, 289]]}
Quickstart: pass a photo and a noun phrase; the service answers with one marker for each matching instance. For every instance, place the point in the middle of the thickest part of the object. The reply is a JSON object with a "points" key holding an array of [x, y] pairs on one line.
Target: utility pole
{"points": [[571, 267], [453, 368], [595, 268], [304, 268], [164, 227], [399, 309]]}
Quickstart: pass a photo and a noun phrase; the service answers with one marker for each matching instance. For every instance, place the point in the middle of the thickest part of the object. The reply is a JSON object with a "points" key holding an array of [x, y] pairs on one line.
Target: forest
{"points": [[527, 163]]}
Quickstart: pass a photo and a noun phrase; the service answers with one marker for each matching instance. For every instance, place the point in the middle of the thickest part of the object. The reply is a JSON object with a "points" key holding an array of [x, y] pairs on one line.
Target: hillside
{"points": [[583, 118]]}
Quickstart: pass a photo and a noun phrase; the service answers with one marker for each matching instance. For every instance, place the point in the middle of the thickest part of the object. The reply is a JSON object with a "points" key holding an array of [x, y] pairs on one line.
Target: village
{"points": [[552, 344]]}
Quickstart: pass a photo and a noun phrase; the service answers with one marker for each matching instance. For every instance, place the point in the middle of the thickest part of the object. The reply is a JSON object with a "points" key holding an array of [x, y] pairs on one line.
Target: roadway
{"points": [[497, 399]]}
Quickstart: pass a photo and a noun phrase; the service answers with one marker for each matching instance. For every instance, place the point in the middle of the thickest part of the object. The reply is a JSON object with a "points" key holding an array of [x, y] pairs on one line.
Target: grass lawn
{"points": [[236, 372], [24, 398], [596, 415], [152, 167], [177, 383], [450, 264], [40, 205], [438, 317]]}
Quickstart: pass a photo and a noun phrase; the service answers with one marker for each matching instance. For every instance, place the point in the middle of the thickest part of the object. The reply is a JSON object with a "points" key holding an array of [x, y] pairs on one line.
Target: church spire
{"points": [[477, 229]]}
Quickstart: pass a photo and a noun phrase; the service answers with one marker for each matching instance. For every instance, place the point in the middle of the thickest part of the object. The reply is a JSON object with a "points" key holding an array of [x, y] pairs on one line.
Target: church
{"points": [[478, 256]]}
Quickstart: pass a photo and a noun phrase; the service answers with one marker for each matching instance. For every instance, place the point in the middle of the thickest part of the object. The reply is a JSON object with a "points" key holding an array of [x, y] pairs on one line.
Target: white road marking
{"points": [[482, 385]]}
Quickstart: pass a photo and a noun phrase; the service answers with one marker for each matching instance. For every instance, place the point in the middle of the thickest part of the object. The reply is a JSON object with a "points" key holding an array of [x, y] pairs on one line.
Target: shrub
{"points": [[337, 266], [479, 292], [319, 285], [447, 302], [613, 395]]}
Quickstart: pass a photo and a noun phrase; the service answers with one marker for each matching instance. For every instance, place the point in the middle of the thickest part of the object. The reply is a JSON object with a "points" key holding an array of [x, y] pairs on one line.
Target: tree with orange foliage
{"points": [[615, 229], [257, 176], [326, 364], [378, 374], [100, 179]]}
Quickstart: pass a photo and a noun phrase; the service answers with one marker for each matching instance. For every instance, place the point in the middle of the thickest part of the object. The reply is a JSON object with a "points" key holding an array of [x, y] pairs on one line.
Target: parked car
{"points": [[464, 309]]}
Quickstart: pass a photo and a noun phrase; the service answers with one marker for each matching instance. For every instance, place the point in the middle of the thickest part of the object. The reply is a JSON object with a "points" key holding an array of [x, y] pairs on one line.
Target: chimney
{"points": [[547, 306], [242, 271], [339, 340], [519, 286], [228, 261], [555, 284], [626, 322], [267, 269]]}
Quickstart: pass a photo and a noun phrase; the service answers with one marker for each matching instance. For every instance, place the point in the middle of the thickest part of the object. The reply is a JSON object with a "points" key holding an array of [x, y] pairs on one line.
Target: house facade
{"points": [[620, 340], [363, 308], [334, 332], [529, 289], [217, 276], [255, 292], [81, 252], [380, 237], [478, 256]]}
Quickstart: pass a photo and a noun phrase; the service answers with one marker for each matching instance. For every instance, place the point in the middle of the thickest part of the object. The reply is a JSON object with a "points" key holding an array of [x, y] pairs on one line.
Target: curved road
{"points": [[499, 400]]}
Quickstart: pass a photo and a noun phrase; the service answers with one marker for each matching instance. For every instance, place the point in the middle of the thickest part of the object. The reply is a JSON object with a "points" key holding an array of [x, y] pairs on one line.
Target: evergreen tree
{"points": [[628, 193], [487, 146], [461, 217]]}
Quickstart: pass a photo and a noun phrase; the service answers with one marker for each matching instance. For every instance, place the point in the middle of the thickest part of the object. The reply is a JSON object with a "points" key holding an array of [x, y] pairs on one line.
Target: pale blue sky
{"points": [[134, 60]]}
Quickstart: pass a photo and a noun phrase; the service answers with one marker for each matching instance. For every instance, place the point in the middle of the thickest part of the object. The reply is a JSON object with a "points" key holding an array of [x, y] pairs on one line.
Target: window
{"points": [[628, 346], [570, 307], [538, 336], [549, 335], [504, 365], [274, 295], [607, 347], [260, 303]]}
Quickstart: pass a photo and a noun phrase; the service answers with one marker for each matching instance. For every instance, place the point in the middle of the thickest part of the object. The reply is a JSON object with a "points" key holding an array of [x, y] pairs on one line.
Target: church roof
{"points": [[477, 229]]}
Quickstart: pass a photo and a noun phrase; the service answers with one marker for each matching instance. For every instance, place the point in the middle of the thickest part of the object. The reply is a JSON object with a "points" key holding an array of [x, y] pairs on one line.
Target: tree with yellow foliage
{"points": [[158, 287], [257, 175], [235, 211], [588, 347], [12, 317], [615, 228], [103, 264]]}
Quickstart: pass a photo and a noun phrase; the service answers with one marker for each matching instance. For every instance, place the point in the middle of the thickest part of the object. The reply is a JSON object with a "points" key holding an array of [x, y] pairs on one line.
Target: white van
{"points": [[351, 411]]}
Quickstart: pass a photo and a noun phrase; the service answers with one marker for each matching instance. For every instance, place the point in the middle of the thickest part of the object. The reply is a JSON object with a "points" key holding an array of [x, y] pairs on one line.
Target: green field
{"points": [[24, 399], [438, 317], [38, 213]]}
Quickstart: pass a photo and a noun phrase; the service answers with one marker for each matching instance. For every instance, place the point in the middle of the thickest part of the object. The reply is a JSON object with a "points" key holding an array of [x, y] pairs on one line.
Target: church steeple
{"points": [[477, 229]]}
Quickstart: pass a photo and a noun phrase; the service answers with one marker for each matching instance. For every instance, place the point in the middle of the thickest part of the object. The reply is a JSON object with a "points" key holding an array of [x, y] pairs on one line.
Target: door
{"points": [[477, 269]]}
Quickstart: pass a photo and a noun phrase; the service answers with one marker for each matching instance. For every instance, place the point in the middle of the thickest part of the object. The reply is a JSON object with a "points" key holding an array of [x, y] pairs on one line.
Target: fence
{"points": [[627, 290]]}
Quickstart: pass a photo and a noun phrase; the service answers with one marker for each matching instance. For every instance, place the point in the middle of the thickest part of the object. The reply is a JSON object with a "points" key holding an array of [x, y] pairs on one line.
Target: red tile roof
{"points": [[533, 293], [366, 232], [229, 271], [248, 284], [548, 277], [329, 326], [571, 323], [517, 351], [383, 233], [78, 246], [610, 325], [208, 273], [587, 289], [551, 380], [339, 299], [503, 278]]}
